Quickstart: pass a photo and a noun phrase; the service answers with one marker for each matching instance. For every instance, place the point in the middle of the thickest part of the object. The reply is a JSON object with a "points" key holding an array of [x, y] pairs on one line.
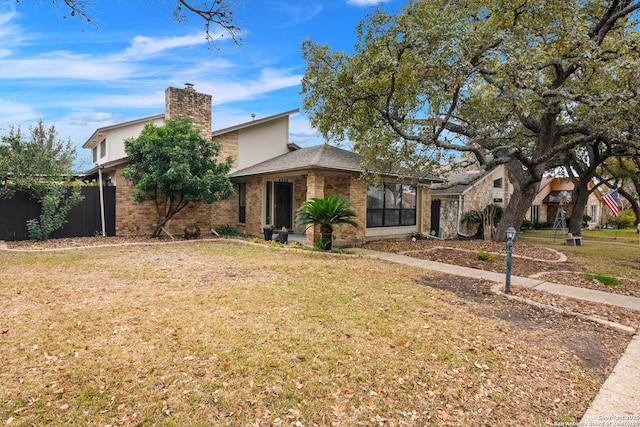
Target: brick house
{"points": [[271, 177]]}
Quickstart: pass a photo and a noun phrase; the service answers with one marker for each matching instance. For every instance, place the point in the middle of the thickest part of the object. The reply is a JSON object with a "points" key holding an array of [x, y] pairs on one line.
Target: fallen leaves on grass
{"points": [[215, 333]]}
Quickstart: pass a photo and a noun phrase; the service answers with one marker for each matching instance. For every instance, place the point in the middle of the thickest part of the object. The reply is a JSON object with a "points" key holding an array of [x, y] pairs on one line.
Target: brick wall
{"points": [[229, 142], [424, 211], [299, 193], [141, 218], [189, 103]]}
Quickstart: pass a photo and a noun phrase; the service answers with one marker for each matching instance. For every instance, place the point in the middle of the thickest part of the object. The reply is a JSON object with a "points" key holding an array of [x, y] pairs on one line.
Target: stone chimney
{"points": [[189, 103]]}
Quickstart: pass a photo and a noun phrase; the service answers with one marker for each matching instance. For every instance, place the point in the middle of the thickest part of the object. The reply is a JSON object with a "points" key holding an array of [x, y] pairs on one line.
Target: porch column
{"points": [[358, 198], [315, 188], [424, 220]]}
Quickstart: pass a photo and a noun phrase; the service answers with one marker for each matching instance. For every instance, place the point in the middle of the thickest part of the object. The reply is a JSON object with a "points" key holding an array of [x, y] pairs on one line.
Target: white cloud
{"points": [[145, 46], [15, 112], [269, 80], [66, 65]]}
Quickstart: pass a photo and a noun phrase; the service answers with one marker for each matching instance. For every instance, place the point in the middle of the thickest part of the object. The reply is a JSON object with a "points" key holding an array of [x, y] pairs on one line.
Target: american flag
{"points": [[611, 200]]}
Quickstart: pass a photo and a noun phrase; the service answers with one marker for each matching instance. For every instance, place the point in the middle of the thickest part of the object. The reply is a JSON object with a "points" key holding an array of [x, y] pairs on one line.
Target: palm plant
{"points": [[486, 220], [325, 212]]}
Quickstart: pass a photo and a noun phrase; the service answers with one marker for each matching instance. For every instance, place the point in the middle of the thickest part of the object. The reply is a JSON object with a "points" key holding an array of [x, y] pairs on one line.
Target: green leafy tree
{"points": [[327, 212], [40, 165], [173, 165], [31, 162], [622, 173], [493, 82]]}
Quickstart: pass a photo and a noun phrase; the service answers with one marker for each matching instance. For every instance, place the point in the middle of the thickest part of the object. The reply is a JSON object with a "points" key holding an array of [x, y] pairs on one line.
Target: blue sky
{"points": [[79, 78]]}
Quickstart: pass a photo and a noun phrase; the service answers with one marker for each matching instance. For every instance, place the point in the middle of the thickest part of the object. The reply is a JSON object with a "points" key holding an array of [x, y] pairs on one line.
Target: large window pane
{"points": [[375, 196], [242, 202], [408, 217], [393, 196], [408, 197], [374, 217], [391, 217], [391, 205]]}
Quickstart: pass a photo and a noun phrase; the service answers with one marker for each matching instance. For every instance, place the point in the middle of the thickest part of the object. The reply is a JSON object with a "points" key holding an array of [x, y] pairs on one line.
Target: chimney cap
{"points": [[253, 116], [189, 86]]}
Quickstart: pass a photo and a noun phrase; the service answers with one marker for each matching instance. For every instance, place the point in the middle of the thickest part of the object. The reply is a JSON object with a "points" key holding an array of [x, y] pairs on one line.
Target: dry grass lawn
{"points": [[221, 333]]}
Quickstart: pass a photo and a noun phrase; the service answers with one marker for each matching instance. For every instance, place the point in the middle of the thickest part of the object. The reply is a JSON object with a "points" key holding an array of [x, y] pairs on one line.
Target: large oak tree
{"points": [[493, 81]]}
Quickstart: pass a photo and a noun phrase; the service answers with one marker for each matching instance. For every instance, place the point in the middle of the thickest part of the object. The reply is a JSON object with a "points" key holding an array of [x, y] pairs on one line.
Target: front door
{"points": [[435, 217], [283, 197]]}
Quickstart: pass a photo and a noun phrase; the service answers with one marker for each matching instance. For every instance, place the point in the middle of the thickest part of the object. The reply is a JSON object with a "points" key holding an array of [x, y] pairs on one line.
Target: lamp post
{"points": [[511, 233]]}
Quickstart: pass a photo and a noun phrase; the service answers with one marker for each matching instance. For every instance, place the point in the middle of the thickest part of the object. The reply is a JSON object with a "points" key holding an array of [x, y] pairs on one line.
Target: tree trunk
{"points": [[326, 233], [525, 189], [579, 199], [516, 210], [525, 176], [158, 229]]}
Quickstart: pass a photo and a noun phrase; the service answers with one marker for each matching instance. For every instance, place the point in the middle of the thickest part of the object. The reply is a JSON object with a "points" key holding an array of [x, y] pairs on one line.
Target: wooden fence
{"points": [[84, 220]]}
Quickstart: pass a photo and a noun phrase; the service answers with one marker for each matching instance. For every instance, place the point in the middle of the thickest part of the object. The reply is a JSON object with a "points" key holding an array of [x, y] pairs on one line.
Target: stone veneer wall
{"points": [[449, 218]]}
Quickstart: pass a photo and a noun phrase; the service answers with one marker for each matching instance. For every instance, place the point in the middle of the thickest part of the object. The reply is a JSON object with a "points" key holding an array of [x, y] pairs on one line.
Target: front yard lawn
{"points": [[223, 333]]}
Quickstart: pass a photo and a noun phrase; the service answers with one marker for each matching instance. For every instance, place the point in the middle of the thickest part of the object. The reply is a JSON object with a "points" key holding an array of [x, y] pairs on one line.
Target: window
{"points": [[497, 183], [242, 202], [103, 148], [535, 213], [391, 205], [593, 212], [94, 154]]}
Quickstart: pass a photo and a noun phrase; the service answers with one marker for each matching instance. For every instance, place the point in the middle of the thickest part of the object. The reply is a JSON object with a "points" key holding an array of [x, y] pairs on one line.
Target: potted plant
{"points": [[192, 231], [325, 212], [268, 231], [283, 236]]}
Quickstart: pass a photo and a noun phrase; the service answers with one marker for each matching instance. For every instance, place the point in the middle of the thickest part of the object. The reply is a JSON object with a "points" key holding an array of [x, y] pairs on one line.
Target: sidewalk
{"points": [[618, 401]]}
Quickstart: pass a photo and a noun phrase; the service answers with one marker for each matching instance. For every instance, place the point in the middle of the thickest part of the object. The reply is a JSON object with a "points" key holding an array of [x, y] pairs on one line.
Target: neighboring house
{"points": [[271, 178], [470, 189], [556, 191], [464, 191]]}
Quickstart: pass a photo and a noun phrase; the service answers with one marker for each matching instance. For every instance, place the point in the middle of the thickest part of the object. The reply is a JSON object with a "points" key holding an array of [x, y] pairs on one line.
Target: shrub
{"points": [[605, 280], [485, 256], [56, 201], [191, 231], [539, 225], [526, 224], [226, 230], [417, 235]]}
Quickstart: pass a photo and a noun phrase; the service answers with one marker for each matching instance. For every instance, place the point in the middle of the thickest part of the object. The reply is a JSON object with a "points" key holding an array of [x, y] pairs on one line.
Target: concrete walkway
{"points": [[618, 401]]}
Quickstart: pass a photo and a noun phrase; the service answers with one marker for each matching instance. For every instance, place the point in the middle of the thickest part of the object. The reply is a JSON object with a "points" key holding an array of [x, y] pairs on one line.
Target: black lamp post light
{"points": [[511, 234]]}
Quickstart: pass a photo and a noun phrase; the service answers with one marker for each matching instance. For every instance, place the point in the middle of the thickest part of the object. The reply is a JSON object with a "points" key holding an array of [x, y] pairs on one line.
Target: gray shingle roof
{"points": [[322, 156], [317, 157], [457, 183]]}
